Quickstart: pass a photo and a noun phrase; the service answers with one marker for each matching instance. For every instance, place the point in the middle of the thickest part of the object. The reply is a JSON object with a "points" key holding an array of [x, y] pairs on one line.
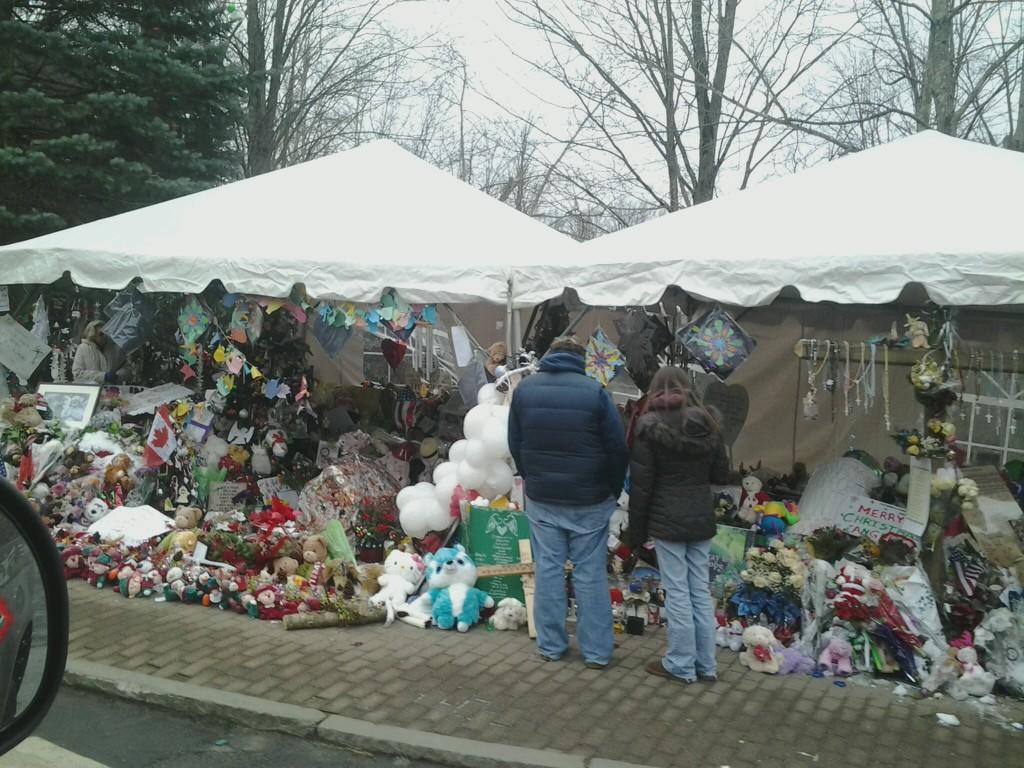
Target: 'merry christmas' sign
{"points": [[864, 516]]}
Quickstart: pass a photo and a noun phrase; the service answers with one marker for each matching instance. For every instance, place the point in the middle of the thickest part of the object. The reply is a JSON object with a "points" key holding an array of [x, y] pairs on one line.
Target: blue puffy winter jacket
{"points": [[566, 436]]}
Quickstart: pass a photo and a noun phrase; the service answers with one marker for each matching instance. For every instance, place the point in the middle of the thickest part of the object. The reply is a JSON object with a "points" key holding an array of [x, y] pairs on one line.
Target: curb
{"points": [[346, 732]]}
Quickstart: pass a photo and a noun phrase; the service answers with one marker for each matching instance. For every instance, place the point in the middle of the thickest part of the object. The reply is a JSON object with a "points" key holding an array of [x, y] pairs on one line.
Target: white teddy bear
{"points": [[510, 615], [402, 574]]}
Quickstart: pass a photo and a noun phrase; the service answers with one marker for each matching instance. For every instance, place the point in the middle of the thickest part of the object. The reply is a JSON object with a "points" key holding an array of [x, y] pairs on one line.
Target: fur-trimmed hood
{"points": [[668, 429]]}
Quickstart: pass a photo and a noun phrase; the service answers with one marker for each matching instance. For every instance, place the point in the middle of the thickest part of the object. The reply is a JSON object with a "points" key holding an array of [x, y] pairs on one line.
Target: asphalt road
{"points": [[124, 734]]}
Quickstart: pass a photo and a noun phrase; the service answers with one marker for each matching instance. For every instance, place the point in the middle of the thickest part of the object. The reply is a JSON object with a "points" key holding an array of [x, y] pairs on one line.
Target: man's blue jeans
{"points": [[688, 606], [580, 534]]}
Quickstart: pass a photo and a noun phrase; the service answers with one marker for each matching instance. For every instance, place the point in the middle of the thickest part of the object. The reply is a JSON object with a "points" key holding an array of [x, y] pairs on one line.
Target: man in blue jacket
{"points": [[569, 445]]}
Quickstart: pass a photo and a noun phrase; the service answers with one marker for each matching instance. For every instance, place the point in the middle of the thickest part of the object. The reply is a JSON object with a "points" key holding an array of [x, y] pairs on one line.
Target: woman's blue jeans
{"points": [[688, 607]]}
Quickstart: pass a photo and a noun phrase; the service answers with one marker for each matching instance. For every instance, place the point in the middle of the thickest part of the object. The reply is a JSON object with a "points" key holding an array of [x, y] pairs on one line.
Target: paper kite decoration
{"points": [[603, 359], [717, 342], [192, 321]]}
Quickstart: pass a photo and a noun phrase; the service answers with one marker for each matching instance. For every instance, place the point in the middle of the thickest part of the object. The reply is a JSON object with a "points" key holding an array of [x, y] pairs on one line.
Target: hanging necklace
{"points": [[860, 373], [869, 388], [846, 380], [810, 399], [885, 391], [999, 388]]}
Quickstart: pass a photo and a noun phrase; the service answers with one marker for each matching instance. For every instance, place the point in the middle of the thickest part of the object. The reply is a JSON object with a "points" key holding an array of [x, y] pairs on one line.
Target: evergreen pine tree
{"points": [[110, 105]]}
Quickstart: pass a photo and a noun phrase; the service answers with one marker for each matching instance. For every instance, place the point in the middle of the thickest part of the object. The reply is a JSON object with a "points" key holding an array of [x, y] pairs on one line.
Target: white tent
{"points": [[346, 226], [926, 209]]}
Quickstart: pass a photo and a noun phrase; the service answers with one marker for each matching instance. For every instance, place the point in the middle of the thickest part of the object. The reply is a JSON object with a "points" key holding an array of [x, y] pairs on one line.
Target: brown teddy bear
{"points": [[282, 568], [186, 518], [119, 472], [77, 462], [314, 549]]}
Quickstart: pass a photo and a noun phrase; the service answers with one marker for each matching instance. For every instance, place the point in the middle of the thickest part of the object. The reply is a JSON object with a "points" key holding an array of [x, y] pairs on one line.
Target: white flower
{"points": [[760, 582], [796, 581], [775, 578], [768, 557], [746, 575], [776, 544]]}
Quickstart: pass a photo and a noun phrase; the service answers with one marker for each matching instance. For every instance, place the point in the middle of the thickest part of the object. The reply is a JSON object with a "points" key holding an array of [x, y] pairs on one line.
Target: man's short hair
{"points": [[567, 344]]}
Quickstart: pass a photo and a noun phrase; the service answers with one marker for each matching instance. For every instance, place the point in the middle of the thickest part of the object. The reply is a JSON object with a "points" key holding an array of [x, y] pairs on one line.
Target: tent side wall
{"points": [[775, 432]]}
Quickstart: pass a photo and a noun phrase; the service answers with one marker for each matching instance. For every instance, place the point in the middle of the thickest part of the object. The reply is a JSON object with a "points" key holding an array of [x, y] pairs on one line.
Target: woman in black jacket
{"points": [[677, 454]]}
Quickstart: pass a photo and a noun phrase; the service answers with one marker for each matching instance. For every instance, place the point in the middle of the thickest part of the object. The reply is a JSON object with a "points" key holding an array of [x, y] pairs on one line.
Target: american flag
{"points": [[967, 569]]}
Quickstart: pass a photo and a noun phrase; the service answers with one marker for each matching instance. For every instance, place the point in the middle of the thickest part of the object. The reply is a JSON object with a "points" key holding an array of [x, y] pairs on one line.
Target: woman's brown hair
{"points": [[670, 390]]}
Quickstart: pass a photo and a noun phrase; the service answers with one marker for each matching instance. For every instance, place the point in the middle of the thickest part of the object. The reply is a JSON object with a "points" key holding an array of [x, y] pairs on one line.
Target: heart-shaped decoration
{"points": [[733, 402]]}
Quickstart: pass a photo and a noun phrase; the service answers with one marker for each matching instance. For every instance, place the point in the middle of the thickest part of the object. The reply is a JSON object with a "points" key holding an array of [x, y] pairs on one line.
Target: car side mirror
{"points": [[33, 619]]}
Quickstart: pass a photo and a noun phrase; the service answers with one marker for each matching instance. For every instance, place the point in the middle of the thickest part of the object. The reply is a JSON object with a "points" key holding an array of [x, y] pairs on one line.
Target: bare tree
{"points": [[949, 65], [683, 86], [314, 68]]}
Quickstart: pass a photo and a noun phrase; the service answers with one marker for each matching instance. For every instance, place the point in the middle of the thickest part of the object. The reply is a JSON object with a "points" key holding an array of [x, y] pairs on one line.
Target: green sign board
{"points": [[492, 538]]}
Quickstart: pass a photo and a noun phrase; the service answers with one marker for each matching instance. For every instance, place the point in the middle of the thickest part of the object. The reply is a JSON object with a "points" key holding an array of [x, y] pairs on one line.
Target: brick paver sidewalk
{"points": [[492, 686]]}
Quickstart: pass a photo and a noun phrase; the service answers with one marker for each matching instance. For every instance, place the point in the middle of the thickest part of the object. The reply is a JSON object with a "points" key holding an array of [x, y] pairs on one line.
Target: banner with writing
{"points": [[864, 516]]}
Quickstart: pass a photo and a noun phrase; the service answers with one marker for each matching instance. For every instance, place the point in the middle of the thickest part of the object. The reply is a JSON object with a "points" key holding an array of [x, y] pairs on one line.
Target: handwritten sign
{"points": [[220, 503], [492, 538], [148, 400], [865, 516], [20, 351]]}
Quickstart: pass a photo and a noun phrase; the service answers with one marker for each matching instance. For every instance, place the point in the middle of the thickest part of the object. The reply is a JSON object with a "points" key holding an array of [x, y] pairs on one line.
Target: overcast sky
{"points": [[491, 45]]}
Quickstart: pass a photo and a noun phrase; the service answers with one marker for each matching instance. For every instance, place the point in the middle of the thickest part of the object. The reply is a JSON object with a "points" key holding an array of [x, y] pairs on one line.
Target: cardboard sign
{"points": [[492, 538], [221, 503], [21, 352], [865, 516]]}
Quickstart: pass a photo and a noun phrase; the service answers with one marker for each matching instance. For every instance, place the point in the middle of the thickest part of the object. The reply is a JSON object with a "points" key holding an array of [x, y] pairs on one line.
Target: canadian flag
{"points": [[161, 443]]}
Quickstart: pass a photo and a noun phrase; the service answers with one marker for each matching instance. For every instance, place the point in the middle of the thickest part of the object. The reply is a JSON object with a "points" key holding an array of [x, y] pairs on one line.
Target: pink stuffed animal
{"points": [[836, 657]]}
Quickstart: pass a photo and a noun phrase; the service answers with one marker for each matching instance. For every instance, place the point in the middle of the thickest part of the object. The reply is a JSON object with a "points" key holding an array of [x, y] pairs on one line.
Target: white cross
{"points": [[1013, 427], [988, 417]]}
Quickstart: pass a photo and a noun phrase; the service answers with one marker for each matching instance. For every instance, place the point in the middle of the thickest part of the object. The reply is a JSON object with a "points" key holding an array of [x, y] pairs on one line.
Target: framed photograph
{"points": [[71, 404]]}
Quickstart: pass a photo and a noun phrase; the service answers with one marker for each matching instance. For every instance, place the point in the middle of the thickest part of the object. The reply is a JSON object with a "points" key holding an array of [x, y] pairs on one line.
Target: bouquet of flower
{"points": [[771, 586], [937, 442], [776, 568], [376, 522]]}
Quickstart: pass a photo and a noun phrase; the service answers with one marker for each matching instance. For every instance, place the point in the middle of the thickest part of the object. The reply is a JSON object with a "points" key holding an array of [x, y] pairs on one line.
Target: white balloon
{"points": [[413, 492], [499, 479], [471, 477], [445, 489], [443, 471], [501, 412], [476, 420], [495, 439], [476, 454], [405, 496], [457, 452], [422, 516], [489, 395]]}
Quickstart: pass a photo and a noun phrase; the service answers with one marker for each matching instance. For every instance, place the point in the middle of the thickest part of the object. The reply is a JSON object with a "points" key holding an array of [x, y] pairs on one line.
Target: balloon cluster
{"points": [[479, 463]]}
